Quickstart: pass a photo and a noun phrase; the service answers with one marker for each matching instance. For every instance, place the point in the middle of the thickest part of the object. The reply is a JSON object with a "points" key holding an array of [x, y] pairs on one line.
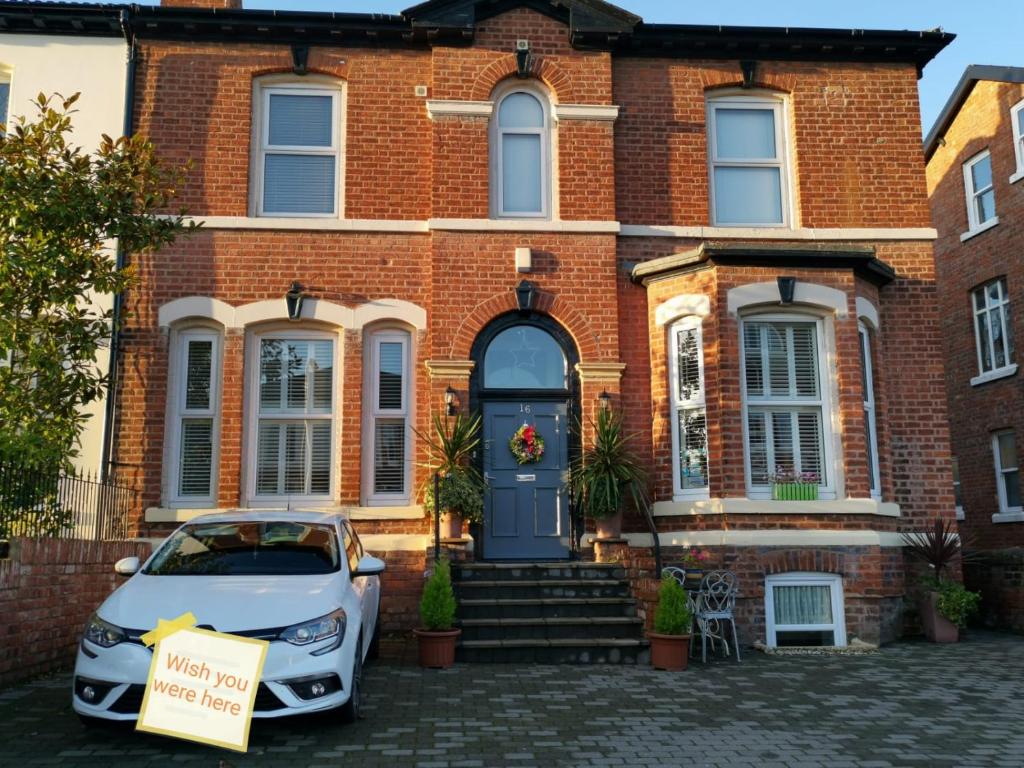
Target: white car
{"points": [[298, 579]]}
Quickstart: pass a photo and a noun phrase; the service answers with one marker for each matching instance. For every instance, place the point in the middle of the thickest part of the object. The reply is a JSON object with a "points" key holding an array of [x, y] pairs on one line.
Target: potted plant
{"points": [[945, 605], [694, 562], [605, 473], [461, 487], [670, 640], [437, 638], [790, 485]]}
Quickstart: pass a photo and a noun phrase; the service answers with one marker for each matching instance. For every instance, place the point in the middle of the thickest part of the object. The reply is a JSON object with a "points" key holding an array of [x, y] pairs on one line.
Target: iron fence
{"points": [[57, 504]]}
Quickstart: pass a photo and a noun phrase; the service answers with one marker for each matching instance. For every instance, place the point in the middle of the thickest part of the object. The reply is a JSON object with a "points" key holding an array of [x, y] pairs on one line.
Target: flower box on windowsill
{"points": [[794, 491]]}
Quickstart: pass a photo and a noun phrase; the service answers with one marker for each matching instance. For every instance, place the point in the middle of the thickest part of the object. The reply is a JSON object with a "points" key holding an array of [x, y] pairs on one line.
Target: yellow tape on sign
{"points": [[166, 628]]}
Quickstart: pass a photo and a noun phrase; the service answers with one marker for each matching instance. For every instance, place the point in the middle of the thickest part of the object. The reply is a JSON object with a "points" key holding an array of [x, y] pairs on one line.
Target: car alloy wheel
{"points": [[350, 710]]}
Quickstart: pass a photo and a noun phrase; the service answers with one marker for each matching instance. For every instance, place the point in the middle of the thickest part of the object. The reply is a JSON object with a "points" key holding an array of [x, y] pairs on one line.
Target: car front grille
{"points": [[266, 700], [130, 702]]}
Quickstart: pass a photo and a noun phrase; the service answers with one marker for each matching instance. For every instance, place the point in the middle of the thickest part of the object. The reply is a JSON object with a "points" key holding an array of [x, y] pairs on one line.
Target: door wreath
{"points": [[526, 445]]}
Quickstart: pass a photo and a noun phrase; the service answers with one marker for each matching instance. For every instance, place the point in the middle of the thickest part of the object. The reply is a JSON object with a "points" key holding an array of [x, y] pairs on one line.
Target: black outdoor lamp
{"points": [[787, 287], [449, 400], [294, 299], [605, 399], [525, 294]]}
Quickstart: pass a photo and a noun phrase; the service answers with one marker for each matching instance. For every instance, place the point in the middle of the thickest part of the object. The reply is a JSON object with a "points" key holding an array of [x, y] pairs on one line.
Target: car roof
{"points": [[329, 517]]}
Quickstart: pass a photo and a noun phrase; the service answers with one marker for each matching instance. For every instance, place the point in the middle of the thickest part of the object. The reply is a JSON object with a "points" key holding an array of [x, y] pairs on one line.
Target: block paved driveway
{"points": [[910, 704]]}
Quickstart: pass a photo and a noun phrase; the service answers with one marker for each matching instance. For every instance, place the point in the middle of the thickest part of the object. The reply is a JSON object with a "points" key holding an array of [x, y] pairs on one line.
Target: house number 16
{"points": [[524, 408]]}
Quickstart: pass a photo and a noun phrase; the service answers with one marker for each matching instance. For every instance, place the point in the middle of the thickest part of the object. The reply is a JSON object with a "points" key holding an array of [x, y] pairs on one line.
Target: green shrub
{"points": [[956, 602], [437, 606], [460, 493], [672, 617]]}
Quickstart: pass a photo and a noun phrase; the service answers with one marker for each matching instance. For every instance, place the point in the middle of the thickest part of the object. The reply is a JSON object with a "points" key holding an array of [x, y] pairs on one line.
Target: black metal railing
{"points": [[58, 504]]}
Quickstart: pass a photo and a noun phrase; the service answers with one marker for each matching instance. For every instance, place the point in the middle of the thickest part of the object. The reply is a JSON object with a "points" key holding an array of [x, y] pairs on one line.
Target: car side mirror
{"points": [[127, 566], [369, 566]]}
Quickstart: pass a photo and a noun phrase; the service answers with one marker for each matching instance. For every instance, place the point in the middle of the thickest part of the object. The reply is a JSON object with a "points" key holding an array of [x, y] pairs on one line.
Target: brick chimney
{"points": [[235, 4]]}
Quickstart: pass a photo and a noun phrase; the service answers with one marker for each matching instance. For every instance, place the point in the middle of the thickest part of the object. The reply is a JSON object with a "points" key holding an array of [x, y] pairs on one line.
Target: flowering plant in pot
{"points": [[452, 443], [790, 485], [695, 564], [945, 605], [606, 473], [437, 637], [670, 640]]}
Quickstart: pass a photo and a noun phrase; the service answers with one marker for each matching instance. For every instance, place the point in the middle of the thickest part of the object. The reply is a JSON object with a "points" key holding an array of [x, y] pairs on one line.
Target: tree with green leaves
{"points": [[62, 209]]}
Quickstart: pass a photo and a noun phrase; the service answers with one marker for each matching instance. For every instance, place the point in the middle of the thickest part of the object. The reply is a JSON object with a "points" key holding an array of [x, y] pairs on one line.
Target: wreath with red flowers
{"points": [[526, 445]]}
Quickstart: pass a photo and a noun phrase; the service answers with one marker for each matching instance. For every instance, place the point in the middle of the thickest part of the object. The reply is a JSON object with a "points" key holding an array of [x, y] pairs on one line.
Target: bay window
{"points": [[870, 424], [195, 375], [786, 414], [388, 425], [689, 412]]}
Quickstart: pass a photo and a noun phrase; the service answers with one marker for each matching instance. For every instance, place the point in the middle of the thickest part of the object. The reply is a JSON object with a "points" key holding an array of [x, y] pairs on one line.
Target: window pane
{"points": [[802, 604], [864, 357], [752, 368], [792, 359], [994, 292], [996, 328], [693, 453], [294, 459], [986, 206], [979, 298], [869, 439], [389, 377], [779, 353], [300, 121], [291, 366], [688, 353], [805, 360], [271, 364], [981, 174], [742, 134], [812, 464], [322, 365], [320, 458], [521, 110], [389, 456], [268, 451], [196, 464], [805, 638], [524, 357], [1007, 451], [782, 441], [297, 365], [521, 174], [748, 196], [298, 184], [1012, 484], [198, 370], [5, 97], [986, 350], [757, 436]]}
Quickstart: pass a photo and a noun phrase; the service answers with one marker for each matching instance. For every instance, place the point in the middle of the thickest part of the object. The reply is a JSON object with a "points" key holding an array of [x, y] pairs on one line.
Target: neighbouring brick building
{"points": [[975, 155], [535, 204]]}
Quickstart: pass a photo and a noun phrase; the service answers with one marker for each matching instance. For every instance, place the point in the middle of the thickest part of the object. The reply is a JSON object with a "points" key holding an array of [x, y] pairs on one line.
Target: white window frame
{"points": [[1016, 116], [1003, 308], [698, 403], [261, 119], [777, 104], [974, 226], [374, 412], [957, 489], [1001, 471], [287, 333], [8, 80], [874, 467], [177, 413], [805, 579], [827, 490], [546, 165]]}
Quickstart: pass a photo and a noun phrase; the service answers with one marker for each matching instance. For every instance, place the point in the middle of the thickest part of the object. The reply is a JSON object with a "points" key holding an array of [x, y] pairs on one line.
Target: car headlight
{"points": [[331, 625], [103, 633]]}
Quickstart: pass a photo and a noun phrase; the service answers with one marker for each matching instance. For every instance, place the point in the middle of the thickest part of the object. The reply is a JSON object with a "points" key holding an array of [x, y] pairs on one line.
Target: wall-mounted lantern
{"points": [[294, 299], [526, 292], [787, 287], [605, 400], [449, 401]]}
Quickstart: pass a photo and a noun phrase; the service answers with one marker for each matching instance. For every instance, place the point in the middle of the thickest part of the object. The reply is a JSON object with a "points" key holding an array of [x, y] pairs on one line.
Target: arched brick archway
{"points": [[805, 560], [545, 70]]}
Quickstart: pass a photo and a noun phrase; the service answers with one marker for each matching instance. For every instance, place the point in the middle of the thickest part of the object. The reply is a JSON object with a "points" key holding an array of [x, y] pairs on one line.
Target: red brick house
{"points": [[975, 156], [725, 230]]}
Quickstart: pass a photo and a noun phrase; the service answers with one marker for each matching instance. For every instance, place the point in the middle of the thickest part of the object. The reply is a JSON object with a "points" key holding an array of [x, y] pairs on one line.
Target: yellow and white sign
{"points": [[202, 684]]}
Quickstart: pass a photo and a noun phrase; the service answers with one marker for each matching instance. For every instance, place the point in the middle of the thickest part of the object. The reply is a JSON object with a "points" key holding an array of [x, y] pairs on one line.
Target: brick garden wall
{"points": [[48, 588]]}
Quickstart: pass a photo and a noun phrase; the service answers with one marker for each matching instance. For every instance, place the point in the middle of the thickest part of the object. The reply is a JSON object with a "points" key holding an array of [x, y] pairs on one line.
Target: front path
{"points": [[910, 704]]}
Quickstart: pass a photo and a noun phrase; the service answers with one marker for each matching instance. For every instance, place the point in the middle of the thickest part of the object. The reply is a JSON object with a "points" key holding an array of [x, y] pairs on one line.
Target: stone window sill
{"points": [[768, 507], [998, 373], [1010, 516], [414, 512], [1017, 176], [983, 228], [959, 513]]}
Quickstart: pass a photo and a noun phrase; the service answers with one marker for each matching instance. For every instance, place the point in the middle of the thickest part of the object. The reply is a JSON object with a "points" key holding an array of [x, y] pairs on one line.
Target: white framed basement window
{"points": [[749, 178], [298, 164], [993, 331], [1017, 121], [870, 423], [786, 407], [521, 165], [1004, 449], [957, 491], [194, 406], [689, 410], [804, 609], [981, 195], [293, 417], [388, 426]]}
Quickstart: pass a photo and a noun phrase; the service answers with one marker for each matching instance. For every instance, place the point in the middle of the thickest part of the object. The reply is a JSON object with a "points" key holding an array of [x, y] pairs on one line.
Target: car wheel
{"points": [[350, 710], [373, 652]]}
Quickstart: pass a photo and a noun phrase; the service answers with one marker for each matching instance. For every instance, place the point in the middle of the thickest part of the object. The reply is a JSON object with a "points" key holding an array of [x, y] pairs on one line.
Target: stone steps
{"points": [[502, 589], [556, 651], [551, 628]]}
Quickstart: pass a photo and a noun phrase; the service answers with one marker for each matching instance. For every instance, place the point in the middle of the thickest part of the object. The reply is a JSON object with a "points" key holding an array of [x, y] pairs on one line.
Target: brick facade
{"points": [[976, 411], [648, 167]]}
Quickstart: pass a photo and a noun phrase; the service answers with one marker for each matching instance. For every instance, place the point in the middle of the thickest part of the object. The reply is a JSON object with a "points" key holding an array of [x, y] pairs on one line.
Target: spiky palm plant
{"points": [[452, 442], [608, 470], [938, 546]]}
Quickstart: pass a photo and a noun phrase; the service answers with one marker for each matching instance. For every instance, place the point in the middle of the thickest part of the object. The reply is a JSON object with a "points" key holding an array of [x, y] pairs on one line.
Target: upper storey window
{"points": [[520, 155], [1017, 120], [299, 163], [981, 195], [747, 146]]}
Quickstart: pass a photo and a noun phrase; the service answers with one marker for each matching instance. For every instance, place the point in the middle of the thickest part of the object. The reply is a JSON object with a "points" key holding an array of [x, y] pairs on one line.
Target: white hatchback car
{"points": [[297, 579]]}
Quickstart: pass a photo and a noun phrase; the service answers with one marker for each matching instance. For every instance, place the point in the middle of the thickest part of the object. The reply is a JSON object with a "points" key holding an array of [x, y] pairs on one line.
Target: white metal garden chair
{"points": [[716, 604]]}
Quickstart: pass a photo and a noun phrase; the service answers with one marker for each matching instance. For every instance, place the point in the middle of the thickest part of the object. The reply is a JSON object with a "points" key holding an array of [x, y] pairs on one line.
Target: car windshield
{"points": [[244, 549]]}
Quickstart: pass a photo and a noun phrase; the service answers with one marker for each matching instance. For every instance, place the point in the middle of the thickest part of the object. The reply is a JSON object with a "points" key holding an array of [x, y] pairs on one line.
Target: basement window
{"points": [[804, 609]]}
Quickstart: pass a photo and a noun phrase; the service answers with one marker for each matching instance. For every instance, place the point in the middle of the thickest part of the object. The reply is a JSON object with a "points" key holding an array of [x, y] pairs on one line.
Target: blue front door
{"points": [[526, 506]]}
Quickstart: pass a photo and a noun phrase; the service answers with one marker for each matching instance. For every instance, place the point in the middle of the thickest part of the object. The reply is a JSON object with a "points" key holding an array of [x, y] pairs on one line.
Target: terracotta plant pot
{"points": [[437, 649], [671, 652], [451, 525], [609, 527], [937, 627]]}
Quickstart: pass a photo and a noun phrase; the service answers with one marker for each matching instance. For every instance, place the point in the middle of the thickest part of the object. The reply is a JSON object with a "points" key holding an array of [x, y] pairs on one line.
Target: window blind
{"points": [[198, 370], [196, 460], [389, 456], [300, 121], [299, 183], [390, 375], [690, 385], [196, 414]]}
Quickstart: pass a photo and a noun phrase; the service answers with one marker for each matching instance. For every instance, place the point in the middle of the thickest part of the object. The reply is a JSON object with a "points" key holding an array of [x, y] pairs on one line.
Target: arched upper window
{"points": [[520, 154], [525, 357]]}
